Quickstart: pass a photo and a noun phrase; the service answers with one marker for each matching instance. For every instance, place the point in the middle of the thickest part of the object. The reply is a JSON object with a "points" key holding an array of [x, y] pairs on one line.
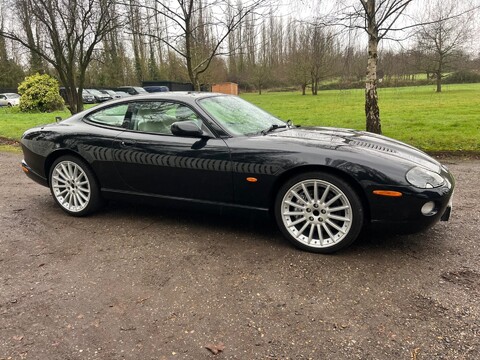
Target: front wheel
{"points": [[318, 212], [74, 186]]}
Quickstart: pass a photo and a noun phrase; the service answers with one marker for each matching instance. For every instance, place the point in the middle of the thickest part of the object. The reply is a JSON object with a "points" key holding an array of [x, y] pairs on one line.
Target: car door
{"points": [[97, 138], [3, 100], [151, 160]]}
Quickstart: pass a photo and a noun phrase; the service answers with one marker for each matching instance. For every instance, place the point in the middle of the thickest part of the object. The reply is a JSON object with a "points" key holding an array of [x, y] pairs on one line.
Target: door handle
{"points": [[127, 143]]}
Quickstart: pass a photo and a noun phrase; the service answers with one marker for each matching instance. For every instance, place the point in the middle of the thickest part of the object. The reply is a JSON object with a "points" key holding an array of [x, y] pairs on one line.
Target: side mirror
{"points": [[187, 128]]}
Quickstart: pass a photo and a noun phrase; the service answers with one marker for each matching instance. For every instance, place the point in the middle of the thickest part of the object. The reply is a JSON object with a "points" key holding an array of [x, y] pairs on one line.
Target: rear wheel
{"points": [[318, 212], [74, 186]]}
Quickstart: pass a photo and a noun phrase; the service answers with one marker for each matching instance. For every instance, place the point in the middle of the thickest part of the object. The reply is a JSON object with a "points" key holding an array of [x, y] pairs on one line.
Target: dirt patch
{"points": [[6, 141], [137, 282], [465, 277], [461, 155]]}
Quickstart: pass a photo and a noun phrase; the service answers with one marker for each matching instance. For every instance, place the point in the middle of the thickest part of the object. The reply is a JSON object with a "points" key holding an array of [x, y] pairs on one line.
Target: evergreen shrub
{"points": [[40, 93]]}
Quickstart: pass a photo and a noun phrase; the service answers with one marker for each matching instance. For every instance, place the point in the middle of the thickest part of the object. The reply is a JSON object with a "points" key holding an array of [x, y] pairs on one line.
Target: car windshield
{"points": [[140, 90], [12, 96], [238, 116]]}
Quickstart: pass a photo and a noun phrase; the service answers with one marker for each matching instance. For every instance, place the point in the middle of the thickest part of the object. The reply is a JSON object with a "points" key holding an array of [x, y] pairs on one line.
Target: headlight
{"points": [[423, 178]]}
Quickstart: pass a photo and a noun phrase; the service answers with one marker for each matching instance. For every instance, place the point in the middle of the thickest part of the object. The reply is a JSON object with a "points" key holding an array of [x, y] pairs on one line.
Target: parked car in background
{"points": [[112, 93], [132, 90], [9, 99], [87, 97], [122, 94], [99, 96], [154, 89]]}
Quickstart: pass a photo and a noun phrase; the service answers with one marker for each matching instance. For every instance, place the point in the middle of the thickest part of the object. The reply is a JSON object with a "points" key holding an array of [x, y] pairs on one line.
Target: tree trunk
{"points": [[304, 86], [188, 51], [372, 111], [72, 99], [196, 84], [438, 76]]}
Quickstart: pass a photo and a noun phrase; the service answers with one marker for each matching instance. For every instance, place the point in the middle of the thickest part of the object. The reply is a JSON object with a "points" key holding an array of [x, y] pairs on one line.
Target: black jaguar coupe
{"points": [[323, 185]]}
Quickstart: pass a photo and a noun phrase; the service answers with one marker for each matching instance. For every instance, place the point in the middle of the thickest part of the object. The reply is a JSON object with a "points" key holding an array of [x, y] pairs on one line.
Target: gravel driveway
{"points": [[136, 282]]}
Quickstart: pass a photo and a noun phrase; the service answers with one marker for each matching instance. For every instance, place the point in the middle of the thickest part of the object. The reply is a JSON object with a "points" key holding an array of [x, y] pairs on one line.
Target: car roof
{"points": [[129, 87], [155, 87], [177, 95], [185, 96]]}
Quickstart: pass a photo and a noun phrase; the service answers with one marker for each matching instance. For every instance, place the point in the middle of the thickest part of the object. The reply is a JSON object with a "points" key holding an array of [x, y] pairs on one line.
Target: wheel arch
{"points": [[284, 177], [63, 152]]}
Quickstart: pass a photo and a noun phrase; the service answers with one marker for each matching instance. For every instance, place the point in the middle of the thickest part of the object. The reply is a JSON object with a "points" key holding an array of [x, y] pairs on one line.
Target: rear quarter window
{"points": [[111, 116]]}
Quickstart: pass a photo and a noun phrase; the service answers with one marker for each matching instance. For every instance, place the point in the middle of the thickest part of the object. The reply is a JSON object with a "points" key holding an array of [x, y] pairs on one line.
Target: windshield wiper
{"points": [[272, 127]]}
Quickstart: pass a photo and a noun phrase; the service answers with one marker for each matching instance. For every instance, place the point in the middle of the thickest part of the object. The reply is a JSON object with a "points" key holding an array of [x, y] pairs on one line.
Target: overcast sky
{"points": [[308, 9]]}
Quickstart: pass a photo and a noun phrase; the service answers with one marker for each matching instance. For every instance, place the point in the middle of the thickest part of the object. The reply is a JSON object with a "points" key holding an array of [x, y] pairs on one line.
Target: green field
{"points": [[13, 122], [449, 121]]}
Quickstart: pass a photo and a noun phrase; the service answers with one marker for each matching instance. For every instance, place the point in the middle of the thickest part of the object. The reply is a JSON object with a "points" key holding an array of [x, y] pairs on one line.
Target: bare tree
{"points": [[200, 28], [70, 31], [10, 71], [321, 55], [25, 10], [377, 18], [299, 55], [445, 30], [260, 70]]}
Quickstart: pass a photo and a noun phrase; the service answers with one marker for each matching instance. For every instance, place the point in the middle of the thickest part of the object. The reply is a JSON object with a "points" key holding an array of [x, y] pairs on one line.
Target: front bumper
{"points": [[405, 213]]}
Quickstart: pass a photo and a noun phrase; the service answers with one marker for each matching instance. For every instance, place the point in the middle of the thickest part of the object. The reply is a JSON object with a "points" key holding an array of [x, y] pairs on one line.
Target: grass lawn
{"points": [[449, 121], [13, 122]]}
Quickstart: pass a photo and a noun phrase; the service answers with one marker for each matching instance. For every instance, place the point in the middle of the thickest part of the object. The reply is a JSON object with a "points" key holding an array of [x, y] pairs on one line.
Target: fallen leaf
{"points": [[415, 353], [215, 348], [18, 337]]}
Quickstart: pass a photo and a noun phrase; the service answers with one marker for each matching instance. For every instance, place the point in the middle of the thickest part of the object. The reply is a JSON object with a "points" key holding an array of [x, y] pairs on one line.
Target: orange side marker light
{"points": [[388, 193], [252, 179]]}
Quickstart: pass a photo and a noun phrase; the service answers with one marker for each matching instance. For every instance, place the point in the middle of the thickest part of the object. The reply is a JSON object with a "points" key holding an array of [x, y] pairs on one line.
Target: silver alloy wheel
{"points": [[316, 213], [71, 186]]}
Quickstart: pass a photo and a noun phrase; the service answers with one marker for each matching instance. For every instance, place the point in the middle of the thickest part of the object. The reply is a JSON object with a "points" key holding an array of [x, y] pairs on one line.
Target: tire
{"points": [[74, 186], [323, 220]]}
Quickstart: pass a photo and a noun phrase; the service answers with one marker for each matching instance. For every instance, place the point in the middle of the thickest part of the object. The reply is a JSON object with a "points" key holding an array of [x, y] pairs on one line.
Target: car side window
{"points": [[158, 116], [111, 116]]}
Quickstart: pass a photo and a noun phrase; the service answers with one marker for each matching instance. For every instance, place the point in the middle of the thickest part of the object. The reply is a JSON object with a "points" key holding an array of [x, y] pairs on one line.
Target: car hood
{"points": [[372, 145]]}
